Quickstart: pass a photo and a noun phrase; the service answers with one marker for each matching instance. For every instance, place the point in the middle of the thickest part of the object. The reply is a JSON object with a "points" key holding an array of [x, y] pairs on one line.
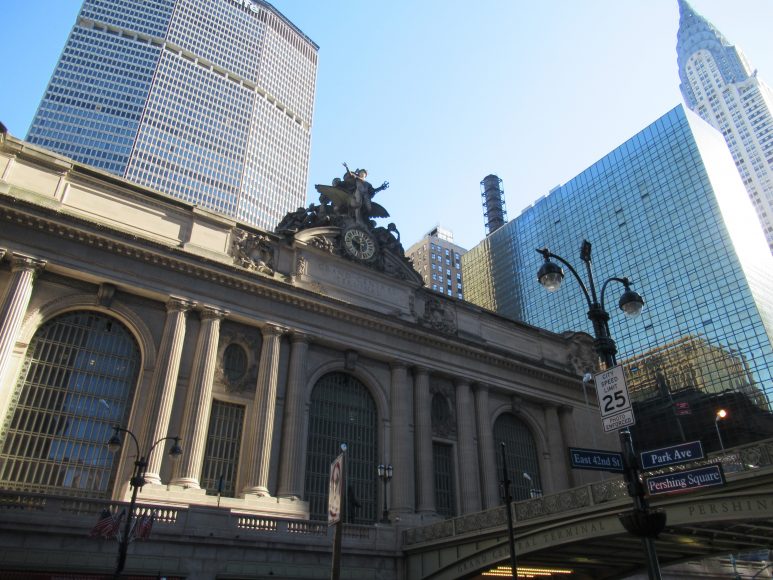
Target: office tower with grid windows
{"points": [[718, 83], [438, 259], [667, 209], [210, 102]]}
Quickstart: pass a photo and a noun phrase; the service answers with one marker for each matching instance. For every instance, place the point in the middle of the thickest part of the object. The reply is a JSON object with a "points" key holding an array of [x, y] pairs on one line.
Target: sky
{"points": [[433, 95]]}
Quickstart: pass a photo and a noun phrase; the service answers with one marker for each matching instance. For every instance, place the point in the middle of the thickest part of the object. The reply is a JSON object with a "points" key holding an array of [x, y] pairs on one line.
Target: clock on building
{"points": [[359, 243]]}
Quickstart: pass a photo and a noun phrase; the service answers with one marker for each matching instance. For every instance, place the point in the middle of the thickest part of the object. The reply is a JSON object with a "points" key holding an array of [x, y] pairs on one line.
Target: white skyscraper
{"points": [[209, 102], [718, 83]]}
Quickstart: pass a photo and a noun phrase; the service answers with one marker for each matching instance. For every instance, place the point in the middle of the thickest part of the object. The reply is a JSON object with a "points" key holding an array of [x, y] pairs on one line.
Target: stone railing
{"points": [[78, 515], [743, 459]]}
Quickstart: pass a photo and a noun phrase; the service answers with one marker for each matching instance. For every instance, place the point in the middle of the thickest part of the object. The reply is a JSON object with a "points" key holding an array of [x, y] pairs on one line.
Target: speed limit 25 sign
{"points": [[614, 402]]}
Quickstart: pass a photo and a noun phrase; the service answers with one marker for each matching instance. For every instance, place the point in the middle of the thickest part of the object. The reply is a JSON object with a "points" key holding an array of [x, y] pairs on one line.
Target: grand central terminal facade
{"points": [[127, 312]]}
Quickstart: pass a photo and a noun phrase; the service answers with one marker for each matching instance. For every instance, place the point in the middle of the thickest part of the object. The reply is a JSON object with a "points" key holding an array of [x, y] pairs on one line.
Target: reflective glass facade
{"points": [[209, 102], [667, 209]]}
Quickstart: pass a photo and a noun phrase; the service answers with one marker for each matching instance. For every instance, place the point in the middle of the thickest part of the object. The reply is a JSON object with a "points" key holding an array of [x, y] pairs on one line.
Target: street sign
{"points": [[596, 459], [672, 455], [614, 402], [710, 476], [335, 490]]}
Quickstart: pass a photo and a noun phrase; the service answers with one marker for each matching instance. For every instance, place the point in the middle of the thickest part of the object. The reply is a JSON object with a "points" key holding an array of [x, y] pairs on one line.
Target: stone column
{"points": [[557, 449], [258, 453], [425, 480], [164, 384], [468, 468], [292, 460], [14, 304], [198, 403], [401, 399], [489, 482]]}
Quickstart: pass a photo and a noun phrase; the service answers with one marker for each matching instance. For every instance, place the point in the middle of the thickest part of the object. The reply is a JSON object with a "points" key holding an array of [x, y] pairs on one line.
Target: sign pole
{"points": [[336, 509]]}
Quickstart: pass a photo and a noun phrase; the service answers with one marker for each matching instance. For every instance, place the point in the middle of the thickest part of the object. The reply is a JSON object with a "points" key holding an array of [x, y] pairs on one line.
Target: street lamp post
{"points": [[136, 482], [721, 414], [385, 475], [508, 508], [642, 522]]}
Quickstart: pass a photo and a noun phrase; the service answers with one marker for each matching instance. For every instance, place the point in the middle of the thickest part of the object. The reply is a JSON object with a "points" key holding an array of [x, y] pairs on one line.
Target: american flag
{"points": [[142, 526], [108, 525]]}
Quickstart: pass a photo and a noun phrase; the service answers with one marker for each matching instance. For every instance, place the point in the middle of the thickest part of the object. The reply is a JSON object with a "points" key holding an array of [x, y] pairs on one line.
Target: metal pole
{"points": [[338, 532], [386, 511], [508, 508], [719, 435], [136, 480]]}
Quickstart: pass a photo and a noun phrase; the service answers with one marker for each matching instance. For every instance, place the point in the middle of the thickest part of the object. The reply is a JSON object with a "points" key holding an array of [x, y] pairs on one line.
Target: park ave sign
{"points": [[672, 455]]}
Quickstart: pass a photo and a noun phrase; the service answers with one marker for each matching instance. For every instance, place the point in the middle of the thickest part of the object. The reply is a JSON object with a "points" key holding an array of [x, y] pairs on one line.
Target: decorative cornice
{"points": [[231, 276]]}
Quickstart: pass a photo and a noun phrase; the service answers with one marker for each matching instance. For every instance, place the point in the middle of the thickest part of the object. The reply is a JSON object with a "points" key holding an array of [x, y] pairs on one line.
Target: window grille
{"points": [[342, 411], [445, 494], [77, 381], [521, 452], [221, 455]]}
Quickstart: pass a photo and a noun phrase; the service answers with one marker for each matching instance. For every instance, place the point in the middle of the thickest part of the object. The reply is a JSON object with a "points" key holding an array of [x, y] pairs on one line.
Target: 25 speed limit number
{"points": [[612, 392]]}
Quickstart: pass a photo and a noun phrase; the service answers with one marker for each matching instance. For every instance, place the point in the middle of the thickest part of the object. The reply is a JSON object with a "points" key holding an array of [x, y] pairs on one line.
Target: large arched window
{"points": [[342, 411], [77, 382], [521, 452]]}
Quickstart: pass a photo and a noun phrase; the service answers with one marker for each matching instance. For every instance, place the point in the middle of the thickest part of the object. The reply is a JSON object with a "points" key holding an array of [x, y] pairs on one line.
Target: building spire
{"points": [[696, 33]]}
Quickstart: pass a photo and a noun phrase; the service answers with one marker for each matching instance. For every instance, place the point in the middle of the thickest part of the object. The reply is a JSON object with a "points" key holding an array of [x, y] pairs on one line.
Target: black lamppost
{"points": [[385, 475], [641, 522], [508, 509], [136, 482]]}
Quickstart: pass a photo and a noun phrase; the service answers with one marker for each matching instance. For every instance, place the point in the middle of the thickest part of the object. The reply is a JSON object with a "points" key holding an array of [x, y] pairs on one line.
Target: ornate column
{"points": [[486, 450], [198, 402], [292, 460], [557, 450], [469, 470], [258, 452], [164, 383], [14, 305], [401, 400], [425, 481]]}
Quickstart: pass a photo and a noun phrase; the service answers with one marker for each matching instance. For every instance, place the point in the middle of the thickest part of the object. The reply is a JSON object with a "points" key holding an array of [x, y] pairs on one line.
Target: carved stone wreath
{"points": [[253, 251], [438, 316]]}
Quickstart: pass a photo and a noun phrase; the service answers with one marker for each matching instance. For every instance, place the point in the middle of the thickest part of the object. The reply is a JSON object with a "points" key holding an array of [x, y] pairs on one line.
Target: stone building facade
{"points": [[263, 352]]}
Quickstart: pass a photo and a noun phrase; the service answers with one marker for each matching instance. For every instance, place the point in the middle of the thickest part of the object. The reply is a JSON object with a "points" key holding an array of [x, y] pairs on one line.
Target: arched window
{"points": [[342, 411], [77, 382], [521, 452]]}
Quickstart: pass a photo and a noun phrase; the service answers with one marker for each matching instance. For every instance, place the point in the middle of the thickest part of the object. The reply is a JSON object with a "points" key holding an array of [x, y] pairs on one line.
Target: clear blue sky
{"points": [[433, 95]]}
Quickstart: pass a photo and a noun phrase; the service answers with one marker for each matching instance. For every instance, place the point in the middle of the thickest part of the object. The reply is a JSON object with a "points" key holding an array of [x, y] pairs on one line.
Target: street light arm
{"points": [[152, 447], [118, 429], [624, 281], [548, 254]]}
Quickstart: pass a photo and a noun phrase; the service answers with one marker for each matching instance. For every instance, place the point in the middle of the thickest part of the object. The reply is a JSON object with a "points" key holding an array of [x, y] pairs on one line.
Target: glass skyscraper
{"points": [[718, 83], [210, 102], [667, 209]]}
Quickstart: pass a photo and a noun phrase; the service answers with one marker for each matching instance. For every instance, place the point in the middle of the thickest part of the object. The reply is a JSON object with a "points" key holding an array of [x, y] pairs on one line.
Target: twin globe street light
{"points": [[136, 482], [641, 522]]}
